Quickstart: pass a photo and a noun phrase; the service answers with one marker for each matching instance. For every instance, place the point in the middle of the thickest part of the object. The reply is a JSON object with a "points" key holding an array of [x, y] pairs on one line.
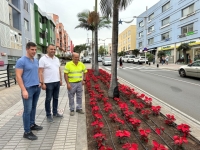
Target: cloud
{"points": [[67, 11]]}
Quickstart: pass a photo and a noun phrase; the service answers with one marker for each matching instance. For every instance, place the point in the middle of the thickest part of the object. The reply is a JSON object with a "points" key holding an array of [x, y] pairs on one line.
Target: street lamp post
{"points": [[104, 42]]}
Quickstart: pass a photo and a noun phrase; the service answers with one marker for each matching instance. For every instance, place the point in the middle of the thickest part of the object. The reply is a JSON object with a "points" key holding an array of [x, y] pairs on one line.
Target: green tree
{"points": [[136, 52], [111, 8], [90, 21], [79, 48], [102, 50], [122, 53], [161, 54], [184, 47]]}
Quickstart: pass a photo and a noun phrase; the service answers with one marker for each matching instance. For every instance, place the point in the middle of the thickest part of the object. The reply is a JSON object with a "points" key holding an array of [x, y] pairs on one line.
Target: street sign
{"points": [[145, 50]]}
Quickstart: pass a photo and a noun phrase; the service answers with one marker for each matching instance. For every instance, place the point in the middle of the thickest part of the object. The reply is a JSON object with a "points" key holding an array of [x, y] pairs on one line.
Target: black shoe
{"points": [[36, 127], [58, 115], [72, 113], [80, 111], [30, 136]]}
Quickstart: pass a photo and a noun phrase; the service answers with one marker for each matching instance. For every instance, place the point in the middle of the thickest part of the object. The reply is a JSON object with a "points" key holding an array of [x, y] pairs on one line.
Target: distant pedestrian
{"points": [[163, 60], [120, 62], [167, 59], [51, 79], [75, 77], [27, 77]]}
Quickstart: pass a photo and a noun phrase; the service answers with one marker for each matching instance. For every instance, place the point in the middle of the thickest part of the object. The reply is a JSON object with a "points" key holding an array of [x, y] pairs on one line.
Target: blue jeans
{"points": [[52, 90], [30, 105]]}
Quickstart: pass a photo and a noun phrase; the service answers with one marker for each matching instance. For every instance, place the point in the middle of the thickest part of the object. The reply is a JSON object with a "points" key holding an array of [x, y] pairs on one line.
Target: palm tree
{"points": [[87, 21], [136, 52], [185, 47], [111, 8]]}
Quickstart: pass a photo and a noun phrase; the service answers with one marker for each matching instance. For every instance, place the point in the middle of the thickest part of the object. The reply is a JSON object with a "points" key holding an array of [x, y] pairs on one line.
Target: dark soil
{"points": [[110, 127]]}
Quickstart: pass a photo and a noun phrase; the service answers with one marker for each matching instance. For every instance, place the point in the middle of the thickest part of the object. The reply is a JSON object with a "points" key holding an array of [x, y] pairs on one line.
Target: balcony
{"points": [[40, 25], [41, 40]]}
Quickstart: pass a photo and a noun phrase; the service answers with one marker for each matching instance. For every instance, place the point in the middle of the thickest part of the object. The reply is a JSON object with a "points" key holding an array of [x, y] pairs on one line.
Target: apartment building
{"points": [[127, 39], [44, 30], [167, 25], [109, 52], [15, 29]]}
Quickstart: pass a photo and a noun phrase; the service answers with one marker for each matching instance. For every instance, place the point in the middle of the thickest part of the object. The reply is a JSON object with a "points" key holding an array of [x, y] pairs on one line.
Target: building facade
{"points": [[127, 40], [44, 30], [168, 24]]}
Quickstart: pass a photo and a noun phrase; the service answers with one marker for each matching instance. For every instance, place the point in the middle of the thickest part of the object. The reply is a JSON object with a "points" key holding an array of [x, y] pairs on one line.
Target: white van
{"points": [[128, 58]]}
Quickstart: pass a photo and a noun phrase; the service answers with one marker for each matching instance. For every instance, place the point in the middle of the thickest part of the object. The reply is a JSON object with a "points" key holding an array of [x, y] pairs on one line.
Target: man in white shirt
{"points": [[50, 79]]}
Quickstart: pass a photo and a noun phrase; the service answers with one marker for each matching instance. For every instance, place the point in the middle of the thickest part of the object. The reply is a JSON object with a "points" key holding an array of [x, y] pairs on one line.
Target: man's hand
{"points": [[43, 86], [69, 87], [25, 94], [83, 82]]}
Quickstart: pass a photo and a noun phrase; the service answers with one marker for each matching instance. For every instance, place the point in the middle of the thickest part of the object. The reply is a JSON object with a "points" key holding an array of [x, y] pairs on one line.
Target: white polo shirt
{"points": [[51, 68]]}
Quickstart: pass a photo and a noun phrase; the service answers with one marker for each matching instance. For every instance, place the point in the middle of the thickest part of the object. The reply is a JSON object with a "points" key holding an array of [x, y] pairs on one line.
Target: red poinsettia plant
{"points": [[144, 134], [102, 147], [133, 102], [123, 106], [157, 146], [179, 141], [95, 109], [107, 107], [97, 115], [127, 114], [160, 130], [99, 137], [130, 146], [147, 102], [135, 123], [170, 119], [146, 113], [156, 110], [98, 125], [139, 107], [122, 135], [184, 129]]}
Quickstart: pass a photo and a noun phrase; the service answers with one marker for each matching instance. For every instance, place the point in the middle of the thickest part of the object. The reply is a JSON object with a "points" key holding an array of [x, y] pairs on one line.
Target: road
{"points": [[166, 85]]}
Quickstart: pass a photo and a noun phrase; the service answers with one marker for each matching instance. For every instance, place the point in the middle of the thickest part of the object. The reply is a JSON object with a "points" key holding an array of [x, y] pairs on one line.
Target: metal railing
{"points": [[7, 75]]}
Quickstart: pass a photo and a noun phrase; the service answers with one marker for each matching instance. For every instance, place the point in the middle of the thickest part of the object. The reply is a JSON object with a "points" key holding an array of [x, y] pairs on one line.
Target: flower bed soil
{"points": [[153, 123]]}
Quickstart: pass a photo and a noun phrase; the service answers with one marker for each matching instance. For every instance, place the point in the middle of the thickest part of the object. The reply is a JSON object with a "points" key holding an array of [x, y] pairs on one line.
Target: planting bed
{"points": [[130, 122]]}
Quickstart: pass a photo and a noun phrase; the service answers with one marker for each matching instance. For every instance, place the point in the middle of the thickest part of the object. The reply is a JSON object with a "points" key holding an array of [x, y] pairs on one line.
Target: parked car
{"points": [[106, 61], [192, 70], [140, 60], [99, 59], [86, 60], [128, 58]]}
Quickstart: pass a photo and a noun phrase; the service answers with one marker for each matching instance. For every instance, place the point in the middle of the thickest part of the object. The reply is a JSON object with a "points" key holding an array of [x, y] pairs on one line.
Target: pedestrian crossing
{"points": [[136, 68]]}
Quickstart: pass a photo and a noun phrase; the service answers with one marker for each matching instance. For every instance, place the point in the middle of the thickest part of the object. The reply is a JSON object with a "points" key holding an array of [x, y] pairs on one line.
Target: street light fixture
{"points": [[104, 41]]}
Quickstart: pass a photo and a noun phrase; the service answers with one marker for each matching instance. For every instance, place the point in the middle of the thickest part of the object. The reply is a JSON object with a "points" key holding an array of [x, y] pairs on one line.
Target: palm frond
{"points": [[106, 7], [123, 4]]}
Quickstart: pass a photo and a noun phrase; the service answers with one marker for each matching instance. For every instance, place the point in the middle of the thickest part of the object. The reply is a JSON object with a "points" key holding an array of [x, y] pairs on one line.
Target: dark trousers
{"points": [[52, 91]]}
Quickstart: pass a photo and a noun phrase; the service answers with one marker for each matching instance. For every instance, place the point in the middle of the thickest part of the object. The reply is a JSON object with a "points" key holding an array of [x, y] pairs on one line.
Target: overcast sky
{"points": [[67, 10]]}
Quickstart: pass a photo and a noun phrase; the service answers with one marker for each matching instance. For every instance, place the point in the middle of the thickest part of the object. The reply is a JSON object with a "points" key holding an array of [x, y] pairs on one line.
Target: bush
{"points": [[150, 57]]}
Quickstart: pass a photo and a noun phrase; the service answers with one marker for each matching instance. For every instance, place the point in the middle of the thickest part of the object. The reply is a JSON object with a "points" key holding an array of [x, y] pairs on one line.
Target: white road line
{"points": [[175, 79], [108, 68], [154, 70]]}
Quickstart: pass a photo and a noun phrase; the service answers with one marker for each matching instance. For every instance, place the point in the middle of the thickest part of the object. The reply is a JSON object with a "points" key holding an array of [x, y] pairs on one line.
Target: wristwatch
{"points": [[42, 82]]}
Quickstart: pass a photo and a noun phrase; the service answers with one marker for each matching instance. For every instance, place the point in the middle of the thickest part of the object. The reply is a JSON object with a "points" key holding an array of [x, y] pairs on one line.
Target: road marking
{"points": [[108, 68], [175, 79], [154, 70]]}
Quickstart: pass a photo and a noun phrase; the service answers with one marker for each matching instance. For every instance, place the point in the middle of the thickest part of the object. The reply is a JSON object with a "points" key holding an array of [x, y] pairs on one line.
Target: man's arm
{"points": [[84, 76], [41, 76], [60, 74], [19, 73], [66, 78]]}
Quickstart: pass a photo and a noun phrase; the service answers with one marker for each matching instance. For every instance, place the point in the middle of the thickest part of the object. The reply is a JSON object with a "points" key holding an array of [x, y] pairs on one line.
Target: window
{"points": [[150, 29], [129, 46], [165, 36], [186, 29], [141, 24], [140, 44], [166, 6], [26, 25], [26, 5], [150, 41], [188, 10], [141, 34], [129, 40], [129, 32], [151, 17], [165, 21]]}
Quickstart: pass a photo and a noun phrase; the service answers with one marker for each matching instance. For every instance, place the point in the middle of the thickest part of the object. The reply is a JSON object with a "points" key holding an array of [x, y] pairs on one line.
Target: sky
{"points": [[67, 11]]}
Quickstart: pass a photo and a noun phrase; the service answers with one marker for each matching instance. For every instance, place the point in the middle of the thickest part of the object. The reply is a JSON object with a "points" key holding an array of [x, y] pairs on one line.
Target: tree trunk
{"points": [[96, 64], [93, 50], [184, 54], [113, 83]]}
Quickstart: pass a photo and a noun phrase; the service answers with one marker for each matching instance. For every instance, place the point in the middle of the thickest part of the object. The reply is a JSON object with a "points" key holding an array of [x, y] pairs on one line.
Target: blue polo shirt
{"points": [[30, 71]]}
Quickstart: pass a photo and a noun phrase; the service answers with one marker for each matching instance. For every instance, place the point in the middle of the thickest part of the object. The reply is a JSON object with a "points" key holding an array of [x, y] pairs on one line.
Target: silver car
{"points": [[192, 70], [106, 61]]}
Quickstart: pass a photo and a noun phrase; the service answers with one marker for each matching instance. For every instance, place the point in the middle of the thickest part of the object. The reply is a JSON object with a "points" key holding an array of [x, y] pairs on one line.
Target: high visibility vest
{"points": [[75, 72]]}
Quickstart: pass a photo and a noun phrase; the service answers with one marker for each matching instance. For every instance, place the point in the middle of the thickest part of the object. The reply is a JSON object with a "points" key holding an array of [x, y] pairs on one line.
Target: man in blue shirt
{"points": [[27, 77]]}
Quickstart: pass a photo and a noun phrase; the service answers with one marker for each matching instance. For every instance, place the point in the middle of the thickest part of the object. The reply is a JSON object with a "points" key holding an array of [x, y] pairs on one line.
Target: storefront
{"points": [[169, 50], [193, 54]]}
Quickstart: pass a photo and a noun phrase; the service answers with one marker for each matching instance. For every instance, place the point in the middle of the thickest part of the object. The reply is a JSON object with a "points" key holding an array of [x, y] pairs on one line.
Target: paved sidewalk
{"points": [[67, 133]]}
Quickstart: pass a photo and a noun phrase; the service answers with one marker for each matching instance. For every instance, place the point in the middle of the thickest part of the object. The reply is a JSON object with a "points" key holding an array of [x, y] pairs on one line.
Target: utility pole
{"points": [[145, 40]]}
